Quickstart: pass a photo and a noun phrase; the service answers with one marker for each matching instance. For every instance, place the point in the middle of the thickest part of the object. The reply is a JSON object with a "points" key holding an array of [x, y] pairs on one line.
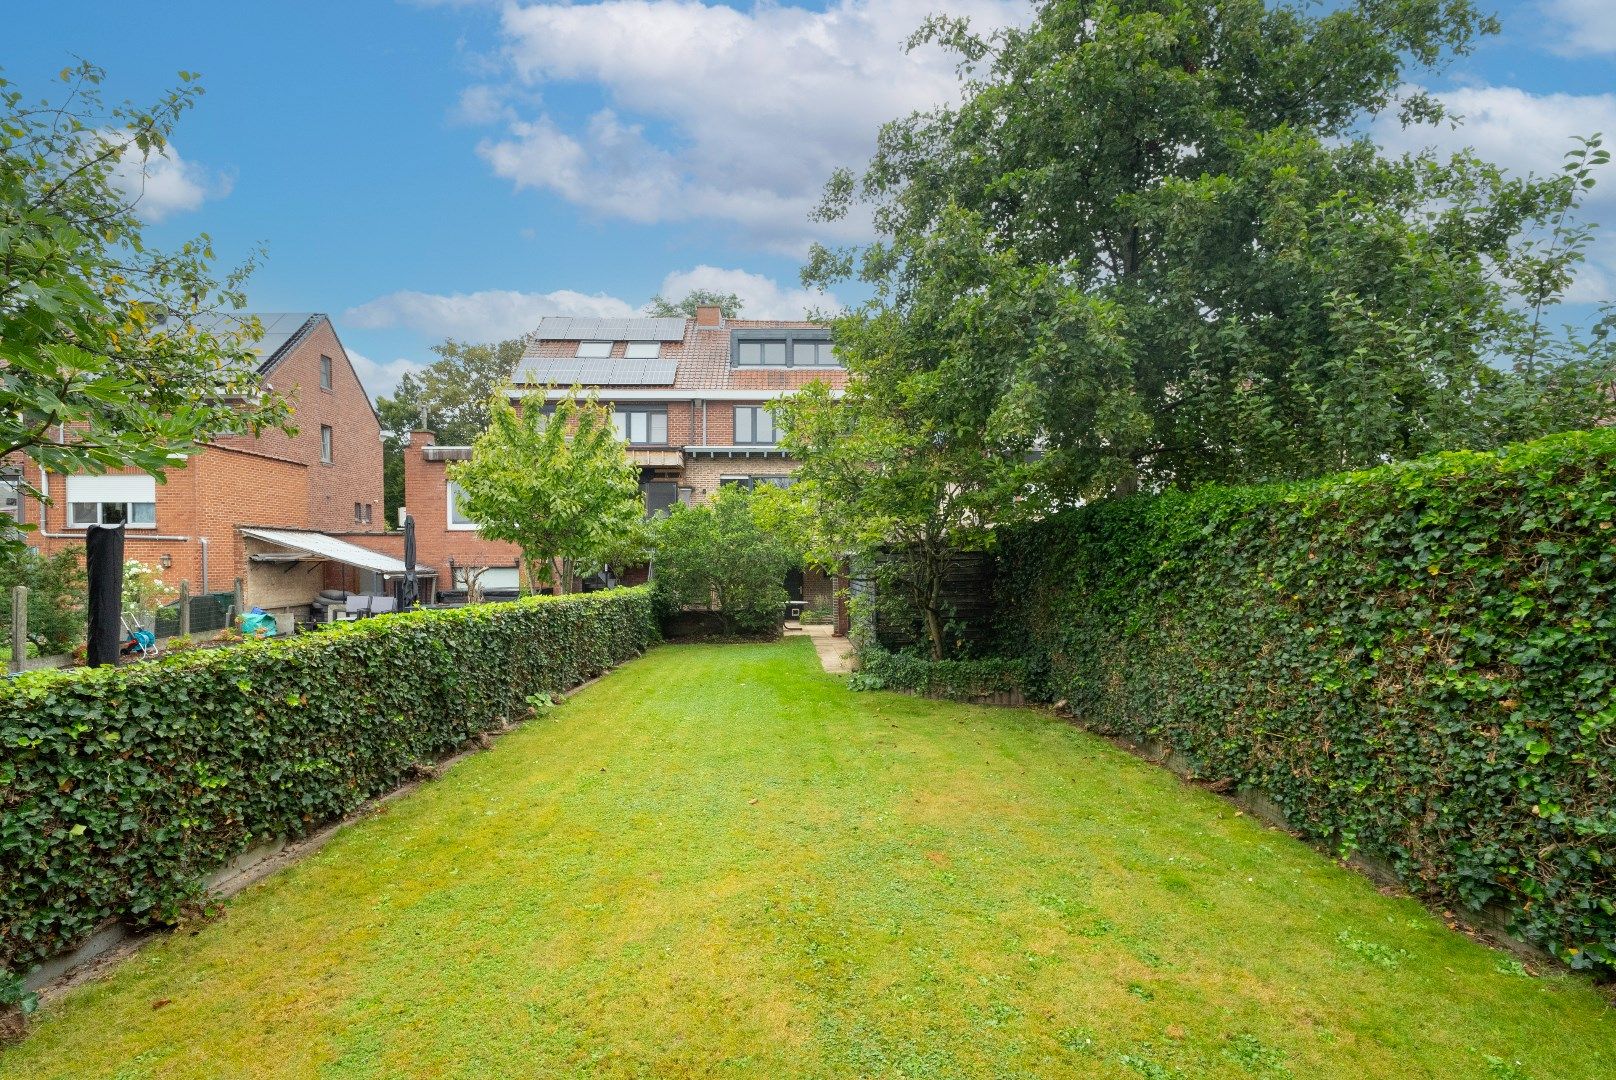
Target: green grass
{"points": [[720, 862]]}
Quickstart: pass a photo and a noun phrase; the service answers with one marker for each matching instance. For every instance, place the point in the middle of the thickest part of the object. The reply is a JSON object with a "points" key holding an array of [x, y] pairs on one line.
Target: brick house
{"points": [[287, 514], [689, 397]]}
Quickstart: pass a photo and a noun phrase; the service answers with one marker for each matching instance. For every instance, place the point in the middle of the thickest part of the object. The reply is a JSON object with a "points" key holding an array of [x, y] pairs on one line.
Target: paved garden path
{"points": [[720, 862]]}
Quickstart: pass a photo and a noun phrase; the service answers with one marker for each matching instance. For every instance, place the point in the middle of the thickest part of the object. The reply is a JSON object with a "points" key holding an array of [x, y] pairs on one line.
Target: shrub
{"points": [[1418, 661], [123, 788], [56, 597], [719, 556], [959, 680]]}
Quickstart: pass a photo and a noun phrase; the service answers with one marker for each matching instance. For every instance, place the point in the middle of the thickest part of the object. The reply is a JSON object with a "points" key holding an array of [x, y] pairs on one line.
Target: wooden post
{"points": [[240, 608], [19, 627], [185, 609]]}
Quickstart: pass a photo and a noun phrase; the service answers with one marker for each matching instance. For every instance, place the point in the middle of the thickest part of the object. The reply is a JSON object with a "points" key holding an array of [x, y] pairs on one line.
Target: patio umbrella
{"points": [[410, 596]]}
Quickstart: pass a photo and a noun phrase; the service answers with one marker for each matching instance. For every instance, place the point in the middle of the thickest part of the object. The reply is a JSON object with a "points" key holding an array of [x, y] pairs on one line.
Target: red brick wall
{"points": [[426, 497]]}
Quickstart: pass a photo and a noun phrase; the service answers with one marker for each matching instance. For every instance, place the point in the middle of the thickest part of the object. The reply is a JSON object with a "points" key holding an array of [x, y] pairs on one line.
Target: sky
{"points": [[422, 170]]}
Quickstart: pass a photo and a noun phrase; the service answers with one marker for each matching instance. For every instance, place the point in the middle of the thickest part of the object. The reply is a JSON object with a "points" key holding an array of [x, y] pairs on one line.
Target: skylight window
{"points": [[594, 349], [642, 350]]}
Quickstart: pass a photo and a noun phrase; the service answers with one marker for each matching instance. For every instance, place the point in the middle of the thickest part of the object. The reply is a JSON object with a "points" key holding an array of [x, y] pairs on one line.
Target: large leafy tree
{"points": [[449, 397], [1239, 283], [559, 484], [112, 352]]}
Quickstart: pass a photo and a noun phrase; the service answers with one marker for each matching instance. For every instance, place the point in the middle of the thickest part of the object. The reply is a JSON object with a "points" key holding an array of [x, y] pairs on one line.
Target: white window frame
{"points": [[593, 350], [119, 489], [326, 369], [452, 495], [328, 440], [642, 350]]}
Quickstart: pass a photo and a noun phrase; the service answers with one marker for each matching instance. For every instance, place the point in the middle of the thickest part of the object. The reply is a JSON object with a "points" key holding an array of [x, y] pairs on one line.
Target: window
{"points": [[367, 512], [325, 373], [807, 353], [752, 483], [753, 426], [639, 426], [642, 350], [358, 513], [807, 347], [765, 353], [489, 578], [325, 443], [594, 349], [458, 520], [111, 500], [11, 494]]}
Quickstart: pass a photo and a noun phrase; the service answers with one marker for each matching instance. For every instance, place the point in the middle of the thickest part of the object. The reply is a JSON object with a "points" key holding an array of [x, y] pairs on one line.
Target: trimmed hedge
{"points": [[1417, 661], [123, 788], [957, 680]]}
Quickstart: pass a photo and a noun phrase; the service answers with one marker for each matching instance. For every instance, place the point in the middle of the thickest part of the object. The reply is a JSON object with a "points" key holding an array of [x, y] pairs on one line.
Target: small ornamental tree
{"points": [[112, 352], [719, 555], [559, 485]]}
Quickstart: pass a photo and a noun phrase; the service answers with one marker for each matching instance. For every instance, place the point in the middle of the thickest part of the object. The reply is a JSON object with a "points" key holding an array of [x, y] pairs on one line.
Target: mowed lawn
{"points": [[719, 861]]}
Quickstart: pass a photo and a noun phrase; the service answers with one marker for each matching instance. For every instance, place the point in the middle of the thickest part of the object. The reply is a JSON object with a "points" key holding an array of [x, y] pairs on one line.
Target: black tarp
{"points": [[103, 563]]}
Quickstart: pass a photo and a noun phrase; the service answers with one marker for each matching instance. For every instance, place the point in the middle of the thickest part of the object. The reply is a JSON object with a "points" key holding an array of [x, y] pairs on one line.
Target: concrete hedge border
{"points": [[1418, 662], [123, 789]]}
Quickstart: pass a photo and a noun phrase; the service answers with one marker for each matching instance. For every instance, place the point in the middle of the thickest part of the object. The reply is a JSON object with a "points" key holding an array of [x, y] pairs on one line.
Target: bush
{"points": [[719, 556], [958, 680], [57, 595], [1417, 661], [123, 788]]}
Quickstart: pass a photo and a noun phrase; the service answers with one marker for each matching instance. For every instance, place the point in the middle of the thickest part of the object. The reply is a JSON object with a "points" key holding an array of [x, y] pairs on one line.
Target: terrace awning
{"points": [[308, 546]]}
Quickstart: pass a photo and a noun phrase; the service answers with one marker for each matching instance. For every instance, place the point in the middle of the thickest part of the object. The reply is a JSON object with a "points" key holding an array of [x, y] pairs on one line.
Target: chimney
{"points": [[709, 315]]}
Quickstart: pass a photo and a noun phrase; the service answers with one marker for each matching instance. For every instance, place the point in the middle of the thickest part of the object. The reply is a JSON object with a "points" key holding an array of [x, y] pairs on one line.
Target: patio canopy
{"points": [[308, 546]]}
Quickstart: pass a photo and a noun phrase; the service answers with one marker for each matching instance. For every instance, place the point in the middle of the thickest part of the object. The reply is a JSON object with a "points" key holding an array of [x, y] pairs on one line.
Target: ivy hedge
{"points": [[1417, 661], [123, 788], [957, 680]]}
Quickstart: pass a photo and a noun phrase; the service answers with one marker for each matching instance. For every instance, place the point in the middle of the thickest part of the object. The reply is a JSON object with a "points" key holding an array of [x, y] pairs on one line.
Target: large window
{"points": [[811, 353], [594, 349], [641, 426], [325, 443], [761, 353], [642, 350], [111, 500], [807, 347], [753, 426], [457, 520]]}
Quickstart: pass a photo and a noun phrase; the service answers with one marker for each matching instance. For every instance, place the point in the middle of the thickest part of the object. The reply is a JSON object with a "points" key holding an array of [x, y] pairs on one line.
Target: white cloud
{"points": [[752, 110], [1586, 27], [489, 315], [1531, 133], [761, 297], [164, 183], [381, 379]]}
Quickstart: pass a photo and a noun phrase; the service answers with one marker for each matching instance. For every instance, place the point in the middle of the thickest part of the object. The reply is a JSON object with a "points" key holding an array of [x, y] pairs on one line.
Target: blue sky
{"points": [[422, 170]]}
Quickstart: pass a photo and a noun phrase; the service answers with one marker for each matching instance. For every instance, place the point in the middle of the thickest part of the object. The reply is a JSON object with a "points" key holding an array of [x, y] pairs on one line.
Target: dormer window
{"points": [[594, 349], [808, 347]]}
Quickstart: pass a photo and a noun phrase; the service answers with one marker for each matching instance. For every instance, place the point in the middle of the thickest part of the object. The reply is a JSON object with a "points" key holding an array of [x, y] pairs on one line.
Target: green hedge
{"points": [[1417, 661], [959, 680], [123, 788]]}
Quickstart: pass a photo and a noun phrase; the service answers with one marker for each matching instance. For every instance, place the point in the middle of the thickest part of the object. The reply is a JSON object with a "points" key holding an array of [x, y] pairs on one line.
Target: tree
{"points": [[113, 354], [1247, 286], [720, 555], [661, 307], [558, 484], [56, 596], [449, 397], [920, 461]]}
